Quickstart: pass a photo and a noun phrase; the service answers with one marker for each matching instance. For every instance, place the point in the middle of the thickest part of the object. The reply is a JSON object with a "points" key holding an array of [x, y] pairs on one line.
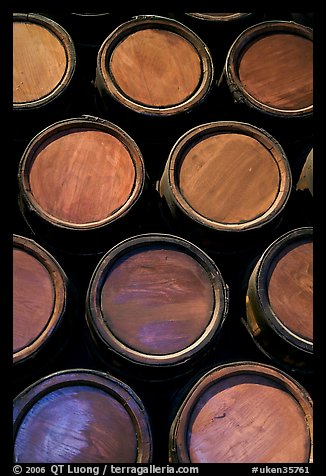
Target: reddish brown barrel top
{"points": [[156, 67], [157, 300], [39, 61], [290, 288], [252, 414], [80, 416], [229, 178], [81, 176], [277, 70], [33, 298]]}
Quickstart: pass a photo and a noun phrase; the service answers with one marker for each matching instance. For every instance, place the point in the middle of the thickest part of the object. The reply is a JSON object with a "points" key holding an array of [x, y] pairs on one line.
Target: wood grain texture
{"points": [[77, 424], [290, 289], [247, 419], [229, 178], [277, 70], [39, 62], [156, 67], [33, 298], [157, 300], [82, 176]]}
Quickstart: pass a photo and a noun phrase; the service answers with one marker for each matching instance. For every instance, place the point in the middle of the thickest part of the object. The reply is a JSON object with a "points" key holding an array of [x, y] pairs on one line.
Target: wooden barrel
{"points": [[82, 184], [279, 302], [42, 297], [269, 75], [152, 67], [44, 61], [305, 181], [155, 306], [223, 183], [81, 416], [243, 412]]}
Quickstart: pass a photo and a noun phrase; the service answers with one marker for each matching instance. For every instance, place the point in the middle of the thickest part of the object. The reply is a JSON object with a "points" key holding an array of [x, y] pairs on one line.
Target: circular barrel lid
{"points": [[229, 176], [81, 173], [271, 66], [39, 297], [154, 65], [284, 282], [243, 412], [156, 299], [80, 416], [43, 60]]}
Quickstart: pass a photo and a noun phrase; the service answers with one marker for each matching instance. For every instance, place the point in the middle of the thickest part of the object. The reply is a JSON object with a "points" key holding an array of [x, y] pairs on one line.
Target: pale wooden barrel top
{"points": [[247, 419], [229, 178], [157, 300], [290, 289], [156, 67], [39, 61], [277, 70], [82, 176], [33, 299]]}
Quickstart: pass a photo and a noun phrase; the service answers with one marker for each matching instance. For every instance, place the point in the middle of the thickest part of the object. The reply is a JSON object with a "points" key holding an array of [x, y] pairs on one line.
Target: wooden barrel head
{"points": [[154, 65], [82, 174], [243, 413], [39, 297], [227, 175], [271, 66], [43, 60], [80, 417], [280, 299], [290, 288], [156, 299], [285, 278]]}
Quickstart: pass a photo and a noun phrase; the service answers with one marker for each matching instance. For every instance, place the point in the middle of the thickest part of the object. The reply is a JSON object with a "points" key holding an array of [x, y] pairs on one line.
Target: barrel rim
{"points": [[172, 191], [88, 123], [102, 332], [60, 290], [234, 54], [104, 381], [178, 448], [223, 18], [260, 293], [106, 82], [70, 52]]}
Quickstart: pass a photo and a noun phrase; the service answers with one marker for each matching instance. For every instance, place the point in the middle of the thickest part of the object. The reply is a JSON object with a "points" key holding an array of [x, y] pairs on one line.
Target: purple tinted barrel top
{"points": [[156, 300], [40, 289], [80, 416]]}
